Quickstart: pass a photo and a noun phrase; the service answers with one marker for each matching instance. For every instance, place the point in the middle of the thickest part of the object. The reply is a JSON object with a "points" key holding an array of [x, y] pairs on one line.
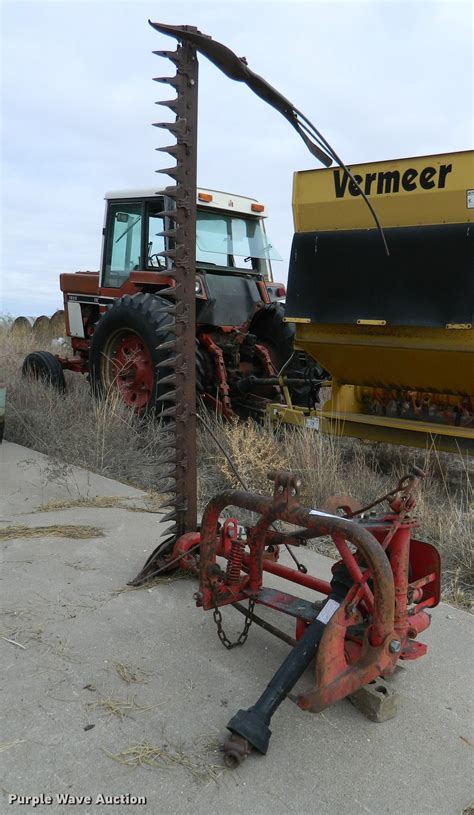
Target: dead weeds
{"points": [[55, 531], [94, 502], [121, 708], [7, 745], [155, 581], [131, 674], [127, 448], [194, 759]]}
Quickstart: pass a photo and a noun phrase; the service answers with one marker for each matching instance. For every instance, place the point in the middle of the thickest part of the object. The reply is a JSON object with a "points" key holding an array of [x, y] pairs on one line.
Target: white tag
{"points": [[470, 199], [312, 422], [328, 611], [327, 515]]}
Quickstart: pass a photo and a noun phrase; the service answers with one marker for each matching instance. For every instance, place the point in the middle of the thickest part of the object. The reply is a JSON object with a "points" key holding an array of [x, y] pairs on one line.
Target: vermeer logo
{"points": [[384, 183]]}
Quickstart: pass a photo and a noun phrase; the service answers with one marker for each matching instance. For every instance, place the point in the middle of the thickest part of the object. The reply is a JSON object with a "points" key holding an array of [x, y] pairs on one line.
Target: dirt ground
{"points": [[112, 692]]}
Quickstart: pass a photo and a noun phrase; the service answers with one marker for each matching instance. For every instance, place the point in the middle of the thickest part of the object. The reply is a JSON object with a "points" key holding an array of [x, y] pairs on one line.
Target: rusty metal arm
{"points": [[237, 68], [373, 554]]}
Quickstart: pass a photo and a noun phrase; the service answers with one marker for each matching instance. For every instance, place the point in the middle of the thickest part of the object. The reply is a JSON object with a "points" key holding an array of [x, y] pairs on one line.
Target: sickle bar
{"points": [[178, 454]]}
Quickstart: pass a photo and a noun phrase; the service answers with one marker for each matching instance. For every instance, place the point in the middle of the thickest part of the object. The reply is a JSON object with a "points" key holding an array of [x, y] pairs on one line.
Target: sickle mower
{"points": [[376, 602]]}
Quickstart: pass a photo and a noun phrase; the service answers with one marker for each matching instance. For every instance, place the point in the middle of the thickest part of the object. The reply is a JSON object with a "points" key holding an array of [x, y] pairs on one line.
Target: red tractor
{"points": [[119, 319]]}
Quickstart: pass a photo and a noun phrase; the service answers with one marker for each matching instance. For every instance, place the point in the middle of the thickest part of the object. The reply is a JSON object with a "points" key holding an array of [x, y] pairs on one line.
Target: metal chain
{"points": [[242, 638]]}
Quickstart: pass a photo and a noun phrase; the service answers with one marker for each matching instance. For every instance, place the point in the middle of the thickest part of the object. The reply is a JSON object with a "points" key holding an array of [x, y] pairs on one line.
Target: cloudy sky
{"points": [[380, 79]]}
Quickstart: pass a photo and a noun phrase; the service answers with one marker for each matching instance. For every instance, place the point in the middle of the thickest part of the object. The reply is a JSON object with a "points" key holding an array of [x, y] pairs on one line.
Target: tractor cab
{"points": [[117, 317], [230, 240]]}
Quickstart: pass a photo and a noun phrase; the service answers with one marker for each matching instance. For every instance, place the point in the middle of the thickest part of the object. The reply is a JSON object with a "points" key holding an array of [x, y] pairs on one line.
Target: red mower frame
{"points": [[381, 588]]}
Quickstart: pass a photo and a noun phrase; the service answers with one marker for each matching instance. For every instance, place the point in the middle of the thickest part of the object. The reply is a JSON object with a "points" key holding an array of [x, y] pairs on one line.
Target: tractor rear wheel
{"points": [[126, 351], [276, 335], [45, 366]]}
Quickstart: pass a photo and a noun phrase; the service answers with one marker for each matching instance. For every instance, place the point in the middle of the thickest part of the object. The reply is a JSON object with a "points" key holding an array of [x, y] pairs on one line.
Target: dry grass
{"points": [[8, 744], [8, 533], [131, 674], [105, 437], [95, 502], [164, 580], [121, 708], [194, 759], [73, 428], [253, 452]]}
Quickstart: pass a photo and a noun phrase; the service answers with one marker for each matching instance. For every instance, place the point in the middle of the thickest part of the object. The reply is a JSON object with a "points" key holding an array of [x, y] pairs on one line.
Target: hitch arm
{"points": [[250, 728]]}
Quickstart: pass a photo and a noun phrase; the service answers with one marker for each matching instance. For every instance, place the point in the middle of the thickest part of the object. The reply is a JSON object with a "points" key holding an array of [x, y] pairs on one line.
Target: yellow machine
{"points": [[395, 333]]}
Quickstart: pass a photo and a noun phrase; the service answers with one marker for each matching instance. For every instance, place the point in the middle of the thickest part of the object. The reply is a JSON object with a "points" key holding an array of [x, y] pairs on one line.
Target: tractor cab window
{"points": [[230, 240], [155, 241], [123, 243], [213, 244]]}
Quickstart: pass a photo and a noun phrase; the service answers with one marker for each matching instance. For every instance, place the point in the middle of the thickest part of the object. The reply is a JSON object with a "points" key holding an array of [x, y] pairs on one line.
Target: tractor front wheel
{"points": [[46, 367]]}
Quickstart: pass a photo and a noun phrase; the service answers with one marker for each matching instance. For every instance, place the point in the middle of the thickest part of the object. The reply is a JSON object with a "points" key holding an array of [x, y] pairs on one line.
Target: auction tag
{"points": [[327, 515], [328, 611]]}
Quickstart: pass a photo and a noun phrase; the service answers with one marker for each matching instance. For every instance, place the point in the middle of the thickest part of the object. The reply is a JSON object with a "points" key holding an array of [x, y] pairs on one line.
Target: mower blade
{"points": [[178, 128], [170, 516], [167, 233], [171, 344], [171, 503], [169, 396], [175, 82], [171, 411], [173, 150], [169, 103], [173, 172], [168, 292], [171, 55], [170, 379], [178, 445], [169, 363]]}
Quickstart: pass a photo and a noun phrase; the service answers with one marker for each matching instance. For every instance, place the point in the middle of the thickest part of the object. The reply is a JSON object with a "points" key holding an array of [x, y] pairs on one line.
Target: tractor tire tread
{"points": [[44, 365]]}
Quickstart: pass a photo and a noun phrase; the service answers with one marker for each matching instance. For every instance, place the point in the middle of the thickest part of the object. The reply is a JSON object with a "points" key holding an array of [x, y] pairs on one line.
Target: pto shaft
{"points": [[250, 728]]}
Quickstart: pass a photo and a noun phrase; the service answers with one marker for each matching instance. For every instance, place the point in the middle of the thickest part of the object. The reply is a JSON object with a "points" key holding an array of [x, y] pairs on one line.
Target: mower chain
{"points": [[242, 638]]}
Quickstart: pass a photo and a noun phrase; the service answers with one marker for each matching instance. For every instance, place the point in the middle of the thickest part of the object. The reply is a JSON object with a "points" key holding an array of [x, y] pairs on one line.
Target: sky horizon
{"points": [[381, 80]]}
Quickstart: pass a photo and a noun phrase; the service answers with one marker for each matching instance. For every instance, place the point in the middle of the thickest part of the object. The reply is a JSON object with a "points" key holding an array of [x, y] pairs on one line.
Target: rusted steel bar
{"points": [[267, 626], [179, 400], [399, 560], [322, 586], [370, 549]]}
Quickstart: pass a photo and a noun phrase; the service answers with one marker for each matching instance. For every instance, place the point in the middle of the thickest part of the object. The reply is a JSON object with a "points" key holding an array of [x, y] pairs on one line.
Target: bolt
{"points": [[395, 646], [280, 489], [197, 595], [292, 491]]}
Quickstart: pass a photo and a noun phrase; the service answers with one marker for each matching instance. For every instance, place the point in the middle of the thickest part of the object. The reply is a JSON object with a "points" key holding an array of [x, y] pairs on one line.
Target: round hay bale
{"points": [[57, 324], [22, 325], [41, 326]]}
